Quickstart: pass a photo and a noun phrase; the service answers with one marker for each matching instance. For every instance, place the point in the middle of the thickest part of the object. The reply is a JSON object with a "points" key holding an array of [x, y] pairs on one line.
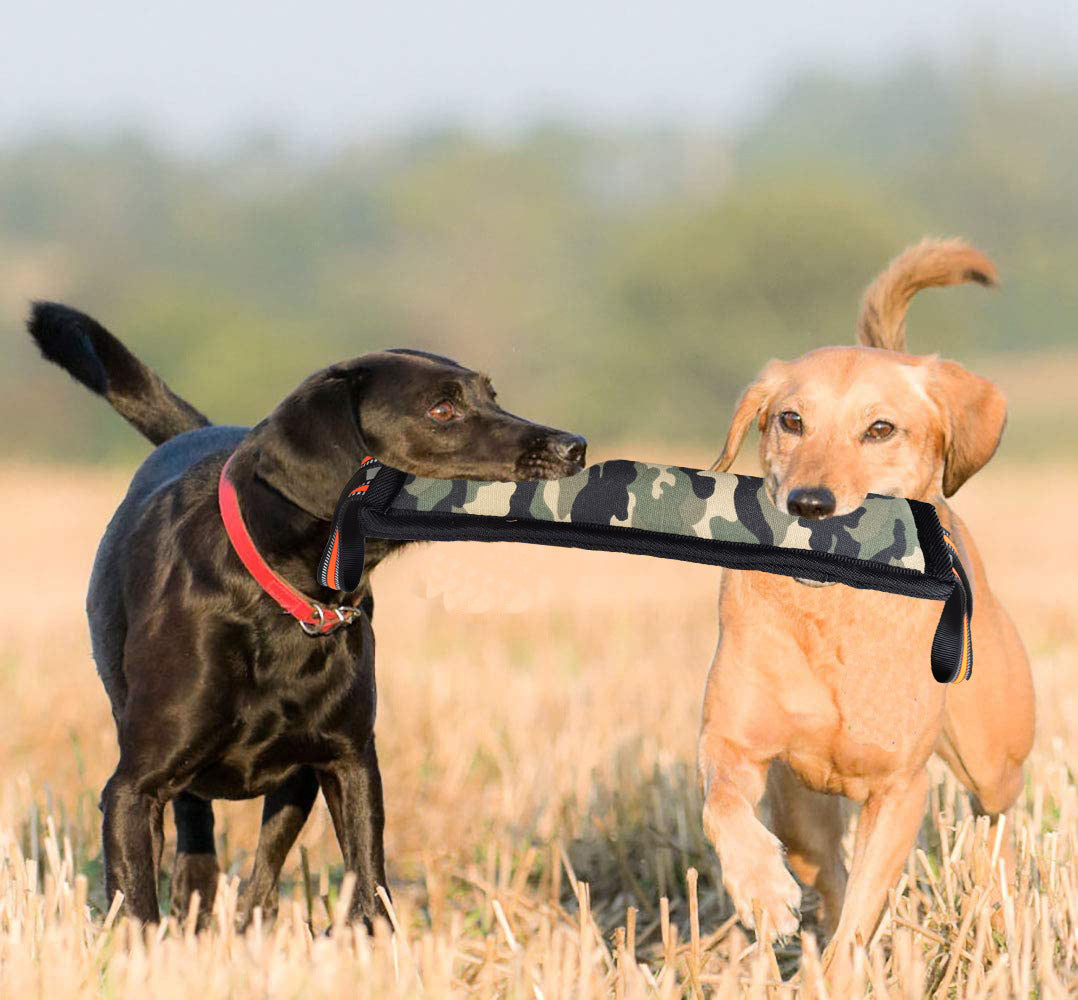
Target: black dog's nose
{"points": [[569, 448], [814, 503]]}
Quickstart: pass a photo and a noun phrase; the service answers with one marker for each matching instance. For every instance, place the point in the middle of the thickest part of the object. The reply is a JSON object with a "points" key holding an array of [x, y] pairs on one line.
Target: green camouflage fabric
{"points": [[676, 500]]}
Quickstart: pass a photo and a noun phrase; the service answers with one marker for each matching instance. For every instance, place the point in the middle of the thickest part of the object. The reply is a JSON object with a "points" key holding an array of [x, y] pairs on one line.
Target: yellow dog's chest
{"points": [[866, 707]]}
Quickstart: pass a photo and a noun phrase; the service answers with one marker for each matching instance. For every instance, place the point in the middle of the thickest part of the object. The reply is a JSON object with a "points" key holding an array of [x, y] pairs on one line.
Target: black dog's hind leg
{"points": [[353, 792], [196, 856], [157, 835], [128, 841], [284, 812]]}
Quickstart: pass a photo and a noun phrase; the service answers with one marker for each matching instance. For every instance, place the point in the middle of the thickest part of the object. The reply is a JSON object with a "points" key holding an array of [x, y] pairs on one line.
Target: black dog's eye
{"points": [[880, 431], [443, 412], [790, 421]]}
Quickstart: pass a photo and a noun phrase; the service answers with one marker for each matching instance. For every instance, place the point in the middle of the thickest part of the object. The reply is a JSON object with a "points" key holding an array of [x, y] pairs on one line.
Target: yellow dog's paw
{"points": [[768, 886]]}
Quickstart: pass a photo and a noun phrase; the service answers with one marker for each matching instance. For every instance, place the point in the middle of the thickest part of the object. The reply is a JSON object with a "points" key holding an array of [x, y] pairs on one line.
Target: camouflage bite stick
{"points": [[889, 544]]}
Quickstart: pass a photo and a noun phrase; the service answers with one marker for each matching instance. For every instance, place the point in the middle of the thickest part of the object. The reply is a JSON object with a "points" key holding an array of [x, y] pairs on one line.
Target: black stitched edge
{"points": [[825, 567], [936, 551]]}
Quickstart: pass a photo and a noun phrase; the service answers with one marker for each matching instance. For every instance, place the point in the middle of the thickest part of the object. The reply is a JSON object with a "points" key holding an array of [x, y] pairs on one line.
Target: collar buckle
{"points": [[345, 615]]}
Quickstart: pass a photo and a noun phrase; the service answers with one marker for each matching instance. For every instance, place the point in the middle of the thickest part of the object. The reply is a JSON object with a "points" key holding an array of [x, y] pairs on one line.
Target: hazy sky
{"points": [[323, 71]]}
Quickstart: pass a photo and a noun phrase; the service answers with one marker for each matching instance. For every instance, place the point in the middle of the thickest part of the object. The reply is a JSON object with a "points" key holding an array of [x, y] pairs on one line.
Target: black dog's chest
{"points": [[309, 709], [248, 769]]}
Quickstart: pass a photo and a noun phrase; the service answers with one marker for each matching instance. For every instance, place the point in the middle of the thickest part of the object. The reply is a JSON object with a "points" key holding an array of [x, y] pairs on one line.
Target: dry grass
{"points": [[543, 817]]}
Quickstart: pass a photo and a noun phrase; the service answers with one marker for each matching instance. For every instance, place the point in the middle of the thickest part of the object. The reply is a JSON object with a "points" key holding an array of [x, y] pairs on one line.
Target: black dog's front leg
{"points": [[128, 843], [284, 812], [353, 793]]}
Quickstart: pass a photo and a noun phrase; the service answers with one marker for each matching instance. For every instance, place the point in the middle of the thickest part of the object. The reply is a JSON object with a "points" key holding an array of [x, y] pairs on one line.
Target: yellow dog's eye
{"points": [[880, 430], [790, 421]]}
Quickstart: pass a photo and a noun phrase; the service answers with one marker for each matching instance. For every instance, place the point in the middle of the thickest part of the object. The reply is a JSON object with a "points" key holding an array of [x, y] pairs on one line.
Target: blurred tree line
{"points": [[625, 284]]}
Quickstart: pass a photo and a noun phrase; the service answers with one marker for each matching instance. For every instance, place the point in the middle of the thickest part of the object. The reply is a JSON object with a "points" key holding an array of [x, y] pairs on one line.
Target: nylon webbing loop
{"points": [[952, 645], [341, 566]]}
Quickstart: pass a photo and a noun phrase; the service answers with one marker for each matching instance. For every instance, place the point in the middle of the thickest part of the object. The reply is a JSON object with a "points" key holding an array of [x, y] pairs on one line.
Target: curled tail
{"points": [[932, 263], [94, 357]]}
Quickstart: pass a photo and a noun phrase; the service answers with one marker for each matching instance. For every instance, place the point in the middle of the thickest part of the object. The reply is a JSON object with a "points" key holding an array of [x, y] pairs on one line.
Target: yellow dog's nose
{"points": [[811, 503]]}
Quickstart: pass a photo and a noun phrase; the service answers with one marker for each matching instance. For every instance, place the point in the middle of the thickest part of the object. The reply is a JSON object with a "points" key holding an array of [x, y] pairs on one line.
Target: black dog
{"points": [[216, 693]]}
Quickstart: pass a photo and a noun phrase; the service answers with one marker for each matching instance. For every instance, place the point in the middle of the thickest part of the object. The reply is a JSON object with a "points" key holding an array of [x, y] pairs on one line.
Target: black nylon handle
{"points": [[952, 645], [341, 565]]}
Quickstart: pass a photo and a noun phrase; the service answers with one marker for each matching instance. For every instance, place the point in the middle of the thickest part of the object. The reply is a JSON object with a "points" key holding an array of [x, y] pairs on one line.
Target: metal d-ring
{"points": [[315, 629], [319, 628]]}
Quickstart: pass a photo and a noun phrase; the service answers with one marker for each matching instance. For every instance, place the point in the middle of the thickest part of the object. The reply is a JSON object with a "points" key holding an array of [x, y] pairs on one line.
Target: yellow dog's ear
{"points": [[751, 406], [974, 414]]}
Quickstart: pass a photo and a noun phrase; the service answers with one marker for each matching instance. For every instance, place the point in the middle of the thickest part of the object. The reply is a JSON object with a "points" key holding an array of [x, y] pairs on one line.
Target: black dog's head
{"points": [[413, 411], [429, 416]]}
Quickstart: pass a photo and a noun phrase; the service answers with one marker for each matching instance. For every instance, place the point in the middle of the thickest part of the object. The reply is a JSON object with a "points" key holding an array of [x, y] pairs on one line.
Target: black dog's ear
{"points": [[311, 444]]}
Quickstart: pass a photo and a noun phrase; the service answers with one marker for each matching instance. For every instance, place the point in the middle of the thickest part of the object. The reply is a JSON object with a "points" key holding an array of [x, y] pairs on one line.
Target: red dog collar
{"points": [[313, 618]]}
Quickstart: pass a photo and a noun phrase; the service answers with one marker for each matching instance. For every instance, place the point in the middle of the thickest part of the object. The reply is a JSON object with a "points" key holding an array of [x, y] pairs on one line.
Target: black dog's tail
{"points": [[94, 357]]}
